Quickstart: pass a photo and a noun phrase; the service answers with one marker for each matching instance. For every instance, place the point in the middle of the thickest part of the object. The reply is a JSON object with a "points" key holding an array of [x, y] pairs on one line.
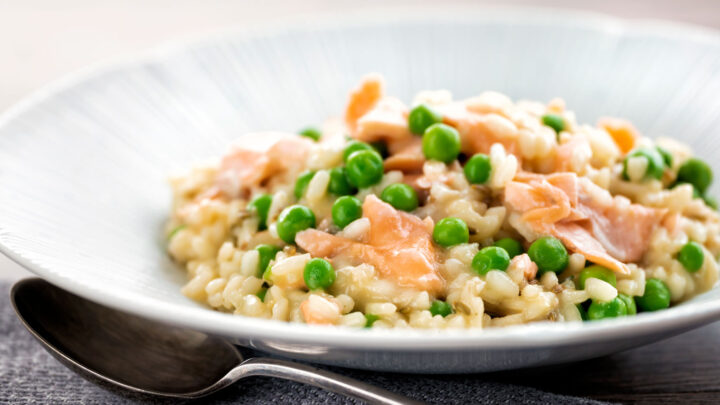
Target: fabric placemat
{"points": [[28, 374]]}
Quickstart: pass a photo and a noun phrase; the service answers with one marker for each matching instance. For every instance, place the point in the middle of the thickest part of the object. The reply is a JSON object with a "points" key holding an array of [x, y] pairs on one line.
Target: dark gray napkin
{"points": [[28, 374]]}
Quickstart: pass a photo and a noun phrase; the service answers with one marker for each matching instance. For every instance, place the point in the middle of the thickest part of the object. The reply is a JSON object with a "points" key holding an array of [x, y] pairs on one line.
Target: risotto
{"points": [[476, 213]]}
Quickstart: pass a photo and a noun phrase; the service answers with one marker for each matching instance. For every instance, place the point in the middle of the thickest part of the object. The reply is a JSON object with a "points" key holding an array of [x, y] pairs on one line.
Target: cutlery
{"points": [[107, 345]]}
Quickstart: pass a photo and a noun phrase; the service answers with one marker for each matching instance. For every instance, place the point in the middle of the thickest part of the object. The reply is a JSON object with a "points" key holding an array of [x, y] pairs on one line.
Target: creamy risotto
{"points": [[447, 213]]}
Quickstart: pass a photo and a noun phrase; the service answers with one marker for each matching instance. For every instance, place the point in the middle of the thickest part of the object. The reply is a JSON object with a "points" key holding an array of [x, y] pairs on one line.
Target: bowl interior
{"points": [[84, 163]]}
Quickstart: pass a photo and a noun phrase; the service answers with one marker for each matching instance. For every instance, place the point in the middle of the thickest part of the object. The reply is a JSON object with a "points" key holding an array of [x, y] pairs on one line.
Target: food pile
{"points": [[447, 213]]}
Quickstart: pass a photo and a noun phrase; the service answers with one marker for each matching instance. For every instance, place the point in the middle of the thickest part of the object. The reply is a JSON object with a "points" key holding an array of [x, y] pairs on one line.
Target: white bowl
{"points": [[83, 163]]}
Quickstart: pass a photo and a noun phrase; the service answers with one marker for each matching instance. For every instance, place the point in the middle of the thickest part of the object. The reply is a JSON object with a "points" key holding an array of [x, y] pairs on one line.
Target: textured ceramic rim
{"points": [[523, 336]]}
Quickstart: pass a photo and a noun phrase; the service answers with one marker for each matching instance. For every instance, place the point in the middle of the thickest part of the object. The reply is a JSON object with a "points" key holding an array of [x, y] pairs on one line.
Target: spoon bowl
{"points": [[144, 356]]}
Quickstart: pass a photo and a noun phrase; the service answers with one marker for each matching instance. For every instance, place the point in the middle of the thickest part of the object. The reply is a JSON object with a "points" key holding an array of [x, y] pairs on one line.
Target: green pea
{"points": [[267, 274], [711, 202], [364, 168], [477, 169], [490, 258], [549, 254], [697, 173], [302, 182], [266, 253], [175, 230], [666, 156], [401, 196], [512, 246], [691, 256], [583, 312], [292, 220], [339, 184], [610, 309], [318, 274], [554, 121], [312, 133], [441, 308], [441, 142], [656, 297], [370, 320], [655, 166], [599, 272], [629, 303], [354, 146], [345, 210], [451, 231], [260, 206], [421, 117], [262, 293]]}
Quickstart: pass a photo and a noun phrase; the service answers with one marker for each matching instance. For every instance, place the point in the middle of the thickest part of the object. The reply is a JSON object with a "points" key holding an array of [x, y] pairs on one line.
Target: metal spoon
{"points": [[140, 355]]}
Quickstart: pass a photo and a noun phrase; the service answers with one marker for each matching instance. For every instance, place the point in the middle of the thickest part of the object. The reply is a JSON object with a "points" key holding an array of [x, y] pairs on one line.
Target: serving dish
{"points": [[84, 162]]}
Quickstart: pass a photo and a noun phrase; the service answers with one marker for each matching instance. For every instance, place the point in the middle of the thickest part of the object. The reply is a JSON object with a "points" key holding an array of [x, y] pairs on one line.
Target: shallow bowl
{"points": [[84, 162]]}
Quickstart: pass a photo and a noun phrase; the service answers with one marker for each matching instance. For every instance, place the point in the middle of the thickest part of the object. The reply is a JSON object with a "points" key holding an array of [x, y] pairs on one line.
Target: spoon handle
{"points": [[288, 370]]}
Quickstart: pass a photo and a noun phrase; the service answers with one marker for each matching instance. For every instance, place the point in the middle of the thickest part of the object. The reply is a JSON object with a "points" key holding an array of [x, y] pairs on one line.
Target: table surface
{"points": [[683, 369], [43, 39]]}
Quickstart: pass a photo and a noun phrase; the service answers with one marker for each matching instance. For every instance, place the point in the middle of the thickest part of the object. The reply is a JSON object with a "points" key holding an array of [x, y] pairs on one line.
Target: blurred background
{"points": [[42, 40]]}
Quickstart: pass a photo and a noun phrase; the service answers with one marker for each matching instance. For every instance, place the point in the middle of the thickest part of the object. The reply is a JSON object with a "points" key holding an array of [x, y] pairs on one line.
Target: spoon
{"points": [[106, 345]]}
